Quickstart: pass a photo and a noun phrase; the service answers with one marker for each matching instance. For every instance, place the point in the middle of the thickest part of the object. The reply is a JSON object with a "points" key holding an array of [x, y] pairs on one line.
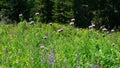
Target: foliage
{"points": [[42, 46], [100, 12]]}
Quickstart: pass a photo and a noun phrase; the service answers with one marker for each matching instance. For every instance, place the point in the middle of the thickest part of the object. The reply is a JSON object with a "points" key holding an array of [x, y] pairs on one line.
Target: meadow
{"points": [[57, 46]]}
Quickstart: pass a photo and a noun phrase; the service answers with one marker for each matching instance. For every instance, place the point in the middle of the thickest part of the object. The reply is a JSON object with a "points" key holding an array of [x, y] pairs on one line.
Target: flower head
{"points": [[71, 23], [20, 15], [90, 27], [51, 57], [60, 30], [104, 29], [112, 30], [50, 23], [31, 22], [42, 46], [37, 13], [73, 20]]}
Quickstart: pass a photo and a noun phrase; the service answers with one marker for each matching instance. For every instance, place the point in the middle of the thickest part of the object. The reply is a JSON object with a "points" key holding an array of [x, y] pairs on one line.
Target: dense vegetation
{"points": [[57, 46], [100, 12]]}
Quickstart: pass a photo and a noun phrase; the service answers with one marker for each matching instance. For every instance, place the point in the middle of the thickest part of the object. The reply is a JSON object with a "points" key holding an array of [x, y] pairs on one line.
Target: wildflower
{"points": [[93, 25], [95, 66], [50, 23], [20, 15], [73, 20], [60, 30], [45, 37], [31, 22], [71, 23], [112, 30], [104, 29], [51, 57], [30, 19], [37, 13], [90, 27], [42, 46]]}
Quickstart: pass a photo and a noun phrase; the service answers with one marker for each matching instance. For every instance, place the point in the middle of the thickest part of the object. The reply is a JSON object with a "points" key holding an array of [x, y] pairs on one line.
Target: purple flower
{"points": [[93, 25], [20, 15], [90, 27], [112, 30], [30, 19], [42, 46], [52, 60], [50, 23], [71, 23], [95, 66]]}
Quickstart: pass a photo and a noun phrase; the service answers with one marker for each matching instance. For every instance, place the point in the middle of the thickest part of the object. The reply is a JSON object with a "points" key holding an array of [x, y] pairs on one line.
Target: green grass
{"points": [[71, 48]]}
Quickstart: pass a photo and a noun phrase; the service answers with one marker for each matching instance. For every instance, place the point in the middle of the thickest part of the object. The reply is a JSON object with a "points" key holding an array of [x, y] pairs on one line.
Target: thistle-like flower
{"points": [[73, 20], [42, 46], [104, 29], [112, 30], [60, 30], [50, 23], [37, 13], [20, 15], [71, 23], [31, 22]]}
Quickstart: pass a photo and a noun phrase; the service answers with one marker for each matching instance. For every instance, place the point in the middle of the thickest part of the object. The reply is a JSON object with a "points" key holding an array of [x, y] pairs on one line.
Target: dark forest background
{"points": [[100, 12]]}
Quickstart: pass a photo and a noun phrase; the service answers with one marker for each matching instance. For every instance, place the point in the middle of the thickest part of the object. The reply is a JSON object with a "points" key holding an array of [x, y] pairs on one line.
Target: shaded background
{"points": [[100, 12]]}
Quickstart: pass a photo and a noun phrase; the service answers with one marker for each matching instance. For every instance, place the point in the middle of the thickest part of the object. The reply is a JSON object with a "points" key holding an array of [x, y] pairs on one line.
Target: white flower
{"points": [[37, 13]]}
